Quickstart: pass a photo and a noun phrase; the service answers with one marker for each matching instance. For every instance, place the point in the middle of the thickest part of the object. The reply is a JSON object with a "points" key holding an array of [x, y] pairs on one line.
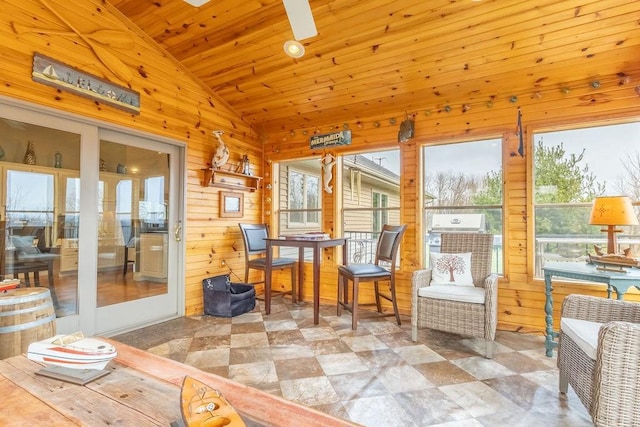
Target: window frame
{"points": [[499, 264], [534, 269], [305, 210]]}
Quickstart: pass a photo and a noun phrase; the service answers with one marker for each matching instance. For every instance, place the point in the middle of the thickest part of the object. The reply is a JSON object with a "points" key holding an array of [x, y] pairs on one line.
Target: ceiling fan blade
{"points": [[300, 18]]}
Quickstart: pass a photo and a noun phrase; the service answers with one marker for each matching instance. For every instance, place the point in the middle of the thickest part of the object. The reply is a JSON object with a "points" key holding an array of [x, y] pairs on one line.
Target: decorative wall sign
{"points": [[53, 73], [342, 137]]}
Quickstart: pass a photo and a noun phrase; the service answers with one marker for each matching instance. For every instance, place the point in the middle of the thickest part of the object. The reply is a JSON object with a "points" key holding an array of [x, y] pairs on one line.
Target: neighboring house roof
{"points": [[370, 167]]}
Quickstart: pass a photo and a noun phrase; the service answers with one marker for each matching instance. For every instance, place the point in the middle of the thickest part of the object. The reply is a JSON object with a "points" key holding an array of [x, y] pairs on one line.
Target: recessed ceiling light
{"points": [[196, 3], [294, 48]]}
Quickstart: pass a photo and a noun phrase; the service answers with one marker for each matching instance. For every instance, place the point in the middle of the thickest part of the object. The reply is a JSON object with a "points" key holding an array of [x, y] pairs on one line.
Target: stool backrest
{"points": [[253, 236], [389, 242]]}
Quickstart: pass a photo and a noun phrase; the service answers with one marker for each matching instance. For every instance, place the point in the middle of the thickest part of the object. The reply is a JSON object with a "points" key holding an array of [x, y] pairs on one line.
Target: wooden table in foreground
{"points": [[141, 390]]}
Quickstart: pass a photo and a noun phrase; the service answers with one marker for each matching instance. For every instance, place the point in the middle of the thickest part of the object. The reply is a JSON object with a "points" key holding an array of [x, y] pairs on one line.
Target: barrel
{"points": [[26, 315]]}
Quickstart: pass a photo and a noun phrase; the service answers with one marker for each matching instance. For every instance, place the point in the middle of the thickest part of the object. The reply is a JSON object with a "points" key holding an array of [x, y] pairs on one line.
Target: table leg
{"points": [[316, 284], [267, 278], [620, 288], [548, 308], [300, 272]]}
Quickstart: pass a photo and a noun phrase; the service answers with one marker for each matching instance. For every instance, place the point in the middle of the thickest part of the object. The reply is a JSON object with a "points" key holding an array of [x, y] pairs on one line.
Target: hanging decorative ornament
{"points": [[221, 156], [519, 132], [406, 131], [30, 154], [327, 171]]}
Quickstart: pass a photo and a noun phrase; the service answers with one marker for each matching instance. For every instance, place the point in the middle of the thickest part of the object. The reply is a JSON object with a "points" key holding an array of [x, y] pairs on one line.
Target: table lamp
{"points": [[612, 211]]}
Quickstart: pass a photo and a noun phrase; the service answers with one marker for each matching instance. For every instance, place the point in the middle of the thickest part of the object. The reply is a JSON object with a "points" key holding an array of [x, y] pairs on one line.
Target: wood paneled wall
{"points": [[521, 298], [173, 105]]}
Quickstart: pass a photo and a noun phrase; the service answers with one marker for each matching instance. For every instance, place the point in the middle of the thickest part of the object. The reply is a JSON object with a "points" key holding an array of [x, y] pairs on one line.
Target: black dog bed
{"points": [[225, 299]]}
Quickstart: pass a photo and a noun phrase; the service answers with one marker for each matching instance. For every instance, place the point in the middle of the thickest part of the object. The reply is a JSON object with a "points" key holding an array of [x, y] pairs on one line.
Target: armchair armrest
{"points": [[599, 310], [419, 279], [490, 306], [616, 382]]}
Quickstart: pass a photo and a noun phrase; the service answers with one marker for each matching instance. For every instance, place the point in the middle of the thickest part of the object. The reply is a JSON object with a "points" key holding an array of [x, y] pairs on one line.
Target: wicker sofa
{"points": [[599, 356]]}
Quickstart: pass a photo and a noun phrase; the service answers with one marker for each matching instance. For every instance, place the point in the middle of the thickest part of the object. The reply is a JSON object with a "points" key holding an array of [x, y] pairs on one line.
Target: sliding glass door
{"points": [[93, 215]]}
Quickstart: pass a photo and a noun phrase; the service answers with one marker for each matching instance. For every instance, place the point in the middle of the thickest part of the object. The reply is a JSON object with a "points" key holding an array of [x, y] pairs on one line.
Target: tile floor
{"points": [[375, 376]]}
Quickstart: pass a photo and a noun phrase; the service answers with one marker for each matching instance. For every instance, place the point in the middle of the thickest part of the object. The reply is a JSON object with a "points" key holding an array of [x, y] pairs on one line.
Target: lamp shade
{"points": [[613, 210]]}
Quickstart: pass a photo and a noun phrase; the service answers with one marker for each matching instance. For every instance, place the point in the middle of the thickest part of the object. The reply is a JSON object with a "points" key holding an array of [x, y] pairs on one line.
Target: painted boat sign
{"points": [[342, 137], [53, 73]]}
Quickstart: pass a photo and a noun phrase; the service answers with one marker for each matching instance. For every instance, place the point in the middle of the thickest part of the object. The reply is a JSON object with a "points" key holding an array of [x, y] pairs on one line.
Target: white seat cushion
{"points": [[583, 333], [453, 293]]}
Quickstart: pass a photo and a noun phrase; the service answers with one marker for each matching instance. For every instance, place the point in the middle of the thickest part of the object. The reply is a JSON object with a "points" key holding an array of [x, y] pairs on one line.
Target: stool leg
{"points": [[294, 285], [339, 299], [354, 305], [392, 289], [377, 292]]}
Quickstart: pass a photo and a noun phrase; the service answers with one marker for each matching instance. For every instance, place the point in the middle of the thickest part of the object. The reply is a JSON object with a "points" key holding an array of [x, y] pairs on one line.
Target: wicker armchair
{"points": [[465, 310], [601, 360]]}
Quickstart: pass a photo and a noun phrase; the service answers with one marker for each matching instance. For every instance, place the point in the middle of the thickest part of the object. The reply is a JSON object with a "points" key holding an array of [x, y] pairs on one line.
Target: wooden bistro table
{"points": [[301, 244], [141, 389], [618, 281]]}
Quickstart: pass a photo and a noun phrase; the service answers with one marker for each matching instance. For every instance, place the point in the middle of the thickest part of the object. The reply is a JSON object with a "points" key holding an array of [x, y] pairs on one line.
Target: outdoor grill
{"points": [[452, 223]]}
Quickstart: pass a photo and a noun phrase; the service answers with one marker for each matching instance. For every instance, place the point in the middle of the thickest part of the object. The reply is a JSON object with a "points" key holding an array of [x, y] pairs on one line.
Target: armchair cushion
{"points": [[468, 294], [24, 245], [451, 269], [583, 332]]}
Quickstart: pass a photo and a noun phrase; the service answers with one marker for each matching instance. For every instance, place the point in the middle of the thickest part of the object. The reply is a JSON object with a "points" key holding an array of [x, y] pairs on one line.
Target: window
{"points": [[380, 217], [300, 196], [371, 198], [299, 200], [571, 168], [463, 192], [303, 198]]}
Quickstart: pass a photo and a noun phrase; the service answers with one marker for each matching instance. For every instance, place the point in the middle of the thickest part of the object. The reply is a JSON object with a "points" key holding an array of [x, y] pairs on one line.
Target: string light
{"points": [[619, 79]]}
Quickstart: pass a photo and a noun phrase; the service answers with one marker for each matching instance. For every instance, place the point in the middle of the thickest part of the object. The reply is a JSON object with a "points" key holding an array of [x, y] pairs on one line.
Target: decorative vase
{"points": [[58, 163], [30, 155]]}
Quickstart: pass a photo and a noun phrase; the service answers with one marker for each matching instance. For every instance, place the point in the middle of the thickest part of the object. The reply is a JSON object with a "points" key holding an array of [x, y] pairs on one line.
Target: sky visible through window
{"points": [[605, 148]]}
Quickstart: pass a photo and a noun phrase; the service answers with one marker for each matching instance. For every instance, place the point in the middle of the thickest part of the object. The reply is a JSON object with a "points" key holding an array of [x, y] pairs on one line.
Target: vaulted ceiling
{"points": [[377, 57]]}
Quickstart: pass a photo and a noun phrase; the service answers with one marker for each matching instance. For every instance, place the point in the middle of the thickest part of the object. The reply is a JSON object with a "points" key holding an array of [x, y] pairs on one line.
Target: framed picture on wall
{"points": [[231, 205]]}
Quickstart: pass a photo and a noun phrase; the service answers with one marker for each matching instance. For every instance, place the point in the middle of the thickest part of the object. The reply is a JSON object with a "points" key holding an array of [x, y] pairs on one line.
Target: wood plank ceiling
{"points": [[378, 57]]}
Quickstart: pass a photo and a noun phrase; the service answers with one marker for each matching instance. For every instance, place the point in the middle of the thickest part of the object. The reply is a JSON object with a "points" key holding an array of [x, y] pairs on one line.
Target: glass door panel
{"points": [[40, 210], [133, 232]]}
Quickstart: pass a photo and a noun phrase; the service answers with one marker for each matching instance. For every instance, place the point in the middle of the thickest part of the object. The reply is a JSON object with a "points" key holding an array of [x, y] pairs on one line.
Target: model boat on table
{"points": [[72, 351]]}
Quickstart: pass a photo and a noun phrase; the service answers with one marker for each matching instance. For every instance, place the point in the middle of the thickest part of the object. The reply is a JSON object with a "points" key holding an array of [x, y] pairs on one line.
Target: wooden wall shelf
{"points": [[232, 180]]}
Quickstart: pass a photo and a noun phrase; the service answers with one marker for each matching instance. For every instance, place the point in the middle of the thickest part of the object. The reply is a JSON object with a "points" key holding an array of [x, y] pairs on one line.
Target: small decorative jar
{"points": [[30, 154]]}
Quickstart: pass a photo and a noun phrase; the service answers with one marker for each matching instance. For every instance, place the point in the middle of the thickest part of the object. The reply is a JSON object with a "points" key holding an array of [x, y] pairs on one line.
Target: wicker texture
{"points": [[609, 387], [476, 320]]}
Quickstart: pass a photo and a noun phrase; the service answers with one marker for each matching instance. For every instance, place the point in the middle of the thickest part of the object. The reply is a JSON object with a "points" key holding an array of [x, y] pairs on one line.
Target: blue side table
{"points": [[619, 281]]}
